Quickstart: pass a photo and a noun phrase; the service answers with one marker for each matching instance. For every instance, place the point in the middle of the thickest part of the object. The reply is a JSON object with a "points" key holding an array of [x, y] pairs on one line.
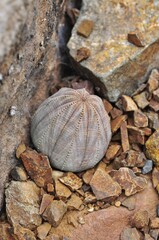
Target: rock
{"points": [[87, 176], [153, 80], [153, 119], [112, 151], [5, 230], [155, 177], [71, 180], [55, 212], [116, 123], [154, 223], [134, 38], [154, 233], [128, 181], [140, 119], [148, 237], [85, 28], [147, 167], [23, 233], [62, 191], [154, 105], [82, 54], [50, 188], [147, 131], [103, 186], [115, 112], [141, 100], [22, 204], [89, 197], [43, 230], [137, 135], [38, 167], [19, 174], [118, 64], [71, 220], [140, 219], [152, 150], [128, 104], [124, 136], [74, 202], [56, 174], [129, 203], [20, 149], [130, 234], [156, 94], [107, 105], [47, 199]]}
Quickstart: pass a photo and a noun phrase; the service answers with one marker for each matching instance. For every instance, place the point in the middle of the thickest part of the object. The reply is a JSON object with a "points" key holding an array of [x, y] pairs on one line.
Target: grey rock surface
{"points": [[119, 64]]}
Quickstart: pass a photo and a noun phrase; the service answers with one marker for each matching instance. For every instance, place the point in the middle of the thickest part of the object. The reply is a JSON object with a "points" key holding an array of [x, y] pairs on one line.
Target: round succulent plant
{"points": [[72, 128]]}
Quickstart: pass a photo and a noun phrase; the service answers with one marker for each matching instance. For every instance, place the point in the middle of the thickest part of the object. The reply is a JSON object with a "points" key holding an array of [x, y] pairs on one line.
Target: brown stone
{"points": [[103, 186], [71, 180], [85, 28], [74, 202], [124, 136], [153, 119], [135, 39], [50, 188], [147, 131], [140, 119], [155, 177], [128, 181], [22, 204], [152, 150], [141, 100], [89, 197], [20, 149], [128, 104], [153, 80], [130, 234], [62, 191], [154, 223], [46, 201], [107, 105], [154, 105], [112, 151], [148, 237], [87, 176], [140, 219], [129, 203], [43, 230], [55, 212], [116, 123], [115, 112], [5, 230], [140, 89], [23, 233], [56, 174], [156, 94], [71, 220], [38, 167], [82, 54], [154, 233], [137, 136], [19, 174]]}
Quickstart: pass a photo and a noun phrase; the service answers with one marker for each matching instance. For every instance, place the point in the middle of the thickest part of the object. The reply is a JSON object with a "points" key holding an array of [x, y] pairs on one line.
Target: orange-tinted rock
{"points": [[71, 180], [153, 81], [130, 234], [155, 177], [128, 103], [20, 149], [19, 174], [152, 149], [55, 212], [153, 119], [129, 203], [140, 219], [5, 230], [46, 201], [147, 131], [116, 123], [62, 191], [74, 202], [156, 94], [112, 151], [89, 197], [85, 28], [137, 136], [148, 237], [107, 105], [38, 167], [103, 186], [82, 54], [43, 230], [23, 233], [154, 223], [128, 181], [141, 99], [115, 112], [135, 38], [140, 119], [124, 136], [50, 188], [87, 176], [154, 105]]}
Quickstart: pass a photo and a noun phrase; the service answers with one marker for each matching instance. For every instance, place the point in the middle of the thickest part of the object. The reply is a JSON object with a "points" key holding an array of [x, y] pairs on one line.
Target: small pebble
{"points": [[81, 220], [12, 111], [117, 204], [147, 167]]}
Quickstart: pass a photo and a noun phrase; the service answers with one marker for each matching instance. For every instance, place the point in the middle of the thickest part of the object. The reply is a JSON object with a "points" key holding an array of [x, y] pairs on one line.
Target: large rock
{"points": [[22, 204], [152, 150], [120, 65]]}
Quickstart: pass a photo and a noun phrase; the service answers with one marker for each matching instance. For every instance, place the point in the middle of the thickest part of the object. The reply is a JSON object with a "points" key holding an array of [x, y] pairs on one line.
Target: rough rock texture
{"points": [[130, 234], [152, 150], [120, 65], [22, 204], [26, 77]]}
